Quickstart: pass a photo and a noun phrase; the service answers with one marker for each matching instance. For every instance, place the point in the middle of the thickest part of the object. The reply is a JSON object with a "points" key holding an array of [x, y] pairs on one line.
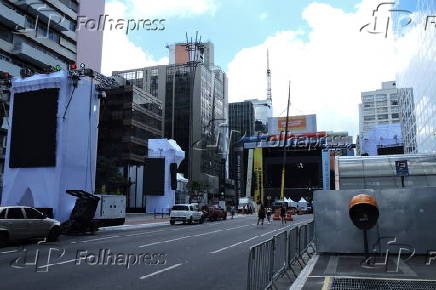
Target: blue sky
{"points": [[236, 24], [317, 45]]}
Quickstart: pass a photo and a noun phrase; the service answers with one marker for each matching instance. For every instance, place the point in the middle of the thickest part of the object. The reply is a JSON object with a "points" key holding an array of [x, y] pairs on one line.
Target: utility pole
{"points": [[282, 189], [268, 77]]}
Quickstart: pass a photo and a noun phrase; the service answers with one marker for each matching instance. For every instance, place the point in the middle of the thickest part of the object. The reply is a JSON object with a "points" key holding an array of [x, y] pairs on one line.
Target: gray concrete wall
{"points": [[407, 214]]}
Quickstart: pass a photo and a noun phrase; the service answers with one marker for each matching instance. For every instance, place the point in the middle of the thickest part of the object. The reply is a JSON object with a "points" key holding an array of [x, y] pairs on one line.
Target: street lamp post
{"points": [[282, 189]]}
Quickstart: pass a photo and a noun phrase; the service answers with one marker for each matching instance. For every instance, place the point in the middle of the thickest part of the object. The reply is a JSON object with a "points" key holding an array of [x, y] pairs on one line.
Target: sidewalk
{"points": [[145, 218]]}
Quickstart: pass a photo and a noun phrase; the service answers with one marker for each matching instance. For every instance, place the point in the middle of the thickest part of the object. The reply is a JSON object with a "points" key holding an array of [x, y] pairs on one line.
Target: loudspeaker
{"points": [[173, 172]]}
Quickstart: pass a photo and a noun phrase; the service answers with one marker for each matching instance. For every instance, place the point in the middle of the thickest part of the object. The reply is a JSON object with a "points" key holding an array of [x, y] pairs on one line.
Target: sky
{"points": [[317, 45]]}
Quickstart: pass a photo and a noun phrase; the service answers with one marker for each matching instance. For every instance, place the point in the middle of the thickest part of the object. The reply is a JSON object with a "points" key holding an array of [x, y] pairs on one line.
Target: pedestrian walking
{"points": [[268, 215], [261, 215], [283, 215], [232, 210]]}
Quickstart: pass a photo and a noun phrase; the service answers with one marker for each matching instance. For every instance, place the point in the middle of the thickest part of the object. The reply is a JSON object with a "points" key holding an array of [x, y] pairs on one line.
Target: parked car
{"points": [[22, 223], [215, 213], [186, 213]]}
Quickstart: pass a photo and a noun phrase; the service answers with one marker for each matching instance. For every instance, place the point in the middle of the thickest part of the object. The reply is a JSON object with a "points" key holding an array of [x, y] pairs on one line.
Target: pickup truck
{"points": [[186, 213]]}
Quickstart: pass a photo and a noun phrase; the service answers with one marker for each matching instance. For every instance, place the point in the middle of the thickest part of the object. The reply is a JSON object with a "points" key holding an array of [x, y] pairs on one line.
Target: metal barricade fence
{"points": [[280, 257], [260, 266], [310, 232], [293, 251], [271, 259], [302, 239]]}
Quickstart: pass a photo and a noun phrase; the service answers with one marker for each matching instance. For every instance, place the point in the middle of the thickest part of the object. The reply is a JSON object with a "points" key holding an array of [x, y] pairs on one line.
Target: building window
{"points": [[395, 116], [6, 34]]}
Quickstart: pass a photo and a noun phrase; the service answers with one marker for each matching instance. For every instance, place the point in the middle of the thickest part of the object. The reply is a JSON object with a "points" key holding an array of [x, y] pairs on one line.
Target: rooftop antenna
{"points": [[268, 76]]}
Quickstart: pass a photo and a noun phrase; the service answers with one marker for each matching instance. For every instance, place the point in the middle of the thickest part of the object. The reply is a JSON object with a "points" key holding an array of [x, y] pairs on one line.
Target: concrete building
{"points": [[180, 55], [388, 105], [129, 118], [196, 123], [37, 34], [241, 123], [419, 75], [263, 110]]}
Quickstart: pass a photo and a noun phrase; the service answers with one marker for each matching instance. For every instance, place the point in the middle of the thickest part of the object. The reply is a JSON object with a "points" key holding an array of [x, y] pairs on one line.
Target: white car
{"points": [[21, 223], [186, 213]]}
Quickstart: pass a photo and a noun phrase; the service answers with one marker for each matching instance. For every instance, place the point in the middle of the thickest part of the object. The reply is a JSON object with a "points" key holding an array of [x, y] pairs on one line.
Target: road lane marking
{"points": [[234, 245], [177, 239], [94, 240], [59, 263], [66, 262], [236, 227], [147, 245], [199, 235], [160, 271], [9, 252]]}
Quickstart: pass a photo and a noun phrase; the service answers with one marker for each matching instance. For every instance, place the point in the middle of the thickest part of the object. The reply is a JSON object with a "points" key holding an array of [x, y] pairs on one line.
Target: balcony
{"points": [[46, 42], [11, 17], [11, 68], [34, 55], [47, 14]]}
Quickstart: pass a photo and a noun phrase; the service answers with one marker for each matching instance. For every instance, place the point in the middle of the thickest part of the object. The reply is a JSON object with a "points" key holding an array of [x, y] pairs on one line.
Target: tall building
{"points": [[382, 106], [195, 113], [241, 124], [180, 55], [262, 112], [419, 73], [129, 117], [37, 34]]}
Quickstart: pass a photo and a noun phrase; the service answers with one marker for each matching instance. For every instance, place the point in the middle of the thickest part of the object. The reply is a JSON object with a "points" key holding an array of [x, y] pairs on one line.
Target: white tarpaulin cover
{"points": [[172, 152], [76, 147]]}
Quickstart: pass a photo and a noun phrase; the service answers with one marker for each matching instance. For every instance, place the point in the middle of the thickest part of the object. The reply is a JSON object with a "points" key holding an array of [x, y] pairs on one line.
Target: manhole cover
{"points": [[378, 284]]}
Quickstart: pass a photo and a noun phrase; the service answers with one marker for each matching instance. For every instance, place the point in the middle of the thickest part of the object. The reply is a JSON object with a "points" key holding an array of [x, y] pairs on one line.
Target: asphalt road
{"points": [[208, 256]]}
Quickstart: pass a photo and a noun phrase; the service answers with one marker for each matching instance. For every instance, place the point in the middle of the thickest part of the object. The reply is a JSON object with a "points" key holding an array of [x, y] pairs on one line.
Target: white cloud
{"points": [[119, 53], [172, 8], [263, 16], [328, 70]]}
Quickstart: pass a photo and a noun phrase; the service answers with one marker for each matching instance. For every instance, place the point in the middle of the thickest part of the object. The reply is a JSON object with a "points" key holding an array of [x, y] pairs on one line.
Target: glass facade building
{"points": [[419, 68]]}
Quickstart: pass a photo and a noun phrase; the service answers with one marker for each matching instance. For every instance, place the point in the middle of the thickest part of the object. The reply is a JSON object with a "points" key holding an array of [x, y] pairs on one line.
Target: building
{"points": [[241, 124], [262, 111], [129, 117], [37, 34], [388, 105], [308, 164], [419, 75], [384, 139], [241, 119], [195, 113], [180, 55]]}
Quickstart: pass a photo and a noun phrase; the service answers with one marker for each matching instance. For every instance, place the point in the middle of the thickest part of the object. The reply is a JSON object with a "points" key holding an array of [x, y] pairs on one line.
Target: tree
{"points": [[108, 179]]}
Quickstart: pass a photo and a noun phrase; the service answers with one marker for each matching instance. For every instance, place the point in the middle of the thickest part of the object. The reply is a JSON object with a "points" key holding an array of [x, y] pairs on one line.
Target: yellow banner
{"points": [[258, 172]]}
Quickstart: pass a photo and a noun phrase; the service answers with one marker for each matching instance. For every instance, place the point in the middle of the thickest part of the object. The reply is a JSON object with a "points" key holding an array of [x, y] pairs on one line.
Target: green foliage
{"points": [[109, 179]]}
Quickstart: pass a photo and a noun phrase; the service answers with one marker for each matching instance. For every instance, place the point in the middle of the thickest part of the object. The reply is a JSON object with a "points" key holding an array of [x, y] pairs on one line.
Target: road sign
{"points": [[402, 167]]}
